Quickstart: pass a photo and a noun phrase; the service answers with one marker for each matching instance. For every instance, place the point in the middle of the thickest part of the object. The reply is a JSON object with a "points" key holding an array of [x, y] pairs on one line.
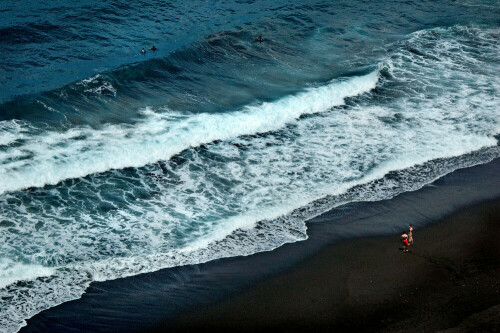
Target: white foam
{"points": [[10, 131], [105, 89], [91, 79], [56, 156], [226, 200], [11, 271]]}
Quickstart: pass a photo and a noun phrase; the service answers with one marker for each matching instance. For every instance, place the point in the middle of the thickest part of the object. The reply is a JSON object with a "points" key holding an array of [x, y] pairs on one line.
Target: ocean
{"points": [[114, 163]]}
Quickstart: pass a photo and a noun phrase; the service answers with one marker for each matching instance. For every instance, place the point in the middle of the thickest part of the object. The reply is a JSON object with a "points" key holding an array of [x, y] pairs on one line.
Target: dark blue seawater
{"points": [[114, 163]]}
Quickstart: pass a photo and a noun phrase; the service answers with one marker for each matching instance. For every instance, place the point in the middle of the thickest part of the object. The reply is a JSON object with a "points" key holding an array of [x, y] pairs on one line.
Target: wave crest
{"points": [[51, 157]]}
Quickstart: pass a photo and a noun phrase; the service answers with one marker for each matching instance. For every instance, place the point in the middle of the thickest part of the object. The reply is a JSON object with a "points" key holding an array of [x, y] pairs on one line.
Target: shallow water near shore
{"points": [[114, 164], [166, 300]]}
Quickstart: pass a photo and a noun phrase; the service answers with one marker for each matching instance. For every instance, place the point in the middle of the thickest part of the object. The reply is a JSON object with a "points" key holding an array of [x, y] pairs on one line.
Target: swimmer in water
{"points": [[153, 48], [143, 51], [260, 39]]}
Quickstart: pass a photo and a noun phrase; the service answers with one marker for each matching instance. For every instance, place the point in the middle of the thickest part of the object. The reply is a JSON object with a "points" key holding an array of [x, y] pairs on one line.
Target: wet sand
{"points": [[349, 275], [450, 279]]}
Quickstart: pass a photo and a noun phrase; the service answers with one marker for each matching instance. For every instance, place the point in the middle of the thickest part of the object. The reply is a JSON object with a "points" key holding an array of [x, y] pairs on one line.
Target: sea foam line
{"points": [[51, 157], [12, 271]]}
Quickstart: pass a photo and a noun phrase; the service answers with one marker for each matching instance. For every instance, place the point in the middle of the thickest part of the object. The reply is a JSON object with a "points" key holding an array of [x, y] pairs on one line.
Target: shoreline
{"points": [[449, 280], [149, 301]]}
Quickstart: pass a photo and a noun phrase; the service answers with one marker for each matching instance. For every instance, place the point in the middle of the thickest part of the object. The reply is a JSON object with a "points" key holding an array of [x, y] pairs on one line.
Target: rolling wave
{"points": [[173, 188], [51, 157]]}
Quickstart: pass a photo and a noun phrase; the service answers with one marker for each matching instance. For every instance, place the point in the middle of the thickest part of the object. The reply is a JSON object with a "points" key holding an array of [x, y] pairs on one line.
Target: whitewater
{"points": [[224, 147], [78, 152]]}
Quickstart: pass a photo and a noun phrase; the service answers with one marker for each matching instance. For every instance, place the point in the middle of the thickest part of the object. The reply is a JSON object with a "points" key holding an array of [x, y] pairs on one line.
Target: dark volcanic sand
{"points": [[335, 279], [450, 278]]}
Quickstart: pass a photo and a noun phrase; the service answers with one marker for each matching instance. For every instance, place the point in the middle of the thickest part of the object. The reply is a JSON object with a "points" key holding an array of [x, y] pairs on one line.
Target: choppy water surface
{"points": [[113, 163]]}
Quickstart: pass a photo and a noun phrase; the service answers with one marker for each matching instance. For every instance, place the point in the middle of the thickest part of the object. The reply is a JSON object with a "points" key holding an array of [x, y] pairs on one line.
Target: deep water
{"points": [[114, 163]]}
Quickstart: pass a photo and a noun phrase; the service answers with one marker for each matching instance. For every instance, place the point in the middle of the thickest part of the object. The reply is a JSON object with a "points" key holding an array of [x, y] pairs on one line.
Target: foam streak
{"points": [[50, 158]]}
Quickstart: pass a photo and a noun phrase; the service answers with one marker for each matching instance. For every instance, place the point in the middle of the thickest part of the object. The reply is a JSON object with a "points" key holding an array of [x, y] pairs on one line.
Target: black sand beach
{"points": [[449, 280], [348, 276], [218, 181]]}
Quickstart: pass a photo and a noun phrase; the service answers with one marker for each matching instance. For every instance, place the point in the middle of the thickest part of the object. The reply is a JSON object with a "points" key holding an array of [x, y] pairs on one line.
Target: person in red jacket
{"points": [[404, 240]]}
